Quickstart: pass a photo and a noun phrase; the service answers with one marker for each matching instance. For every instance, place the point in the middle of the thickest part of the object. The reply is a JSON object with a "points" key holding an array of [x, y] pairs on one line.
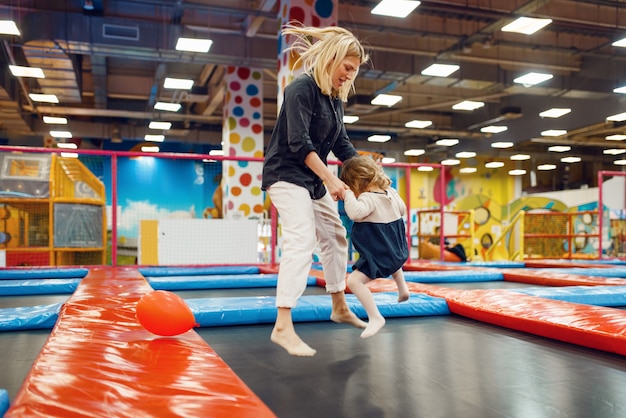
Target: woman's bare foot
{"points": [[347, 317], [290, 341], [373, 326]]}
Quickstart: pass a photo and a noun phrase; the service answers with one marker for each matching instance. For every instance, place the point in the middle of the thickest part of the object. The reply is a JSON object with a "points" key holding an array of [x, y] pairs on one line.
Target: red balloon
{"points": [[164, 313]]}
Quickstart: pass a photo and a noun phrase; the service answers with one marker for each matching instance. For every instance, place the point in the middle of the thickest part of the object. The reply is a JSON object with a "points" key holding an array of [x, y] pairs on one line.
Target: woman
{"points": [[298, 181]]}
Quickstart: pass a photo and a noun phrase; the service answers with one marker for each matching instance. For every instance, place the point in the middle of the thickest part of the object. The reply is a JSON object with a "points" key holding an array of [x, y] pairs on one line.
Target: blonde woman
{"points": [[378, 233], [298, 181]]}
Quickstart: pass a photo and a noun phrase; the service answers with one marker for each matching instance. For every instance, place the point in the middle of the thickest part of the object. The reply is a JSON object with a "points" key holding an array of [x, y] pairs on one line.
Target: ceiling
{"points": [[107, 65]]}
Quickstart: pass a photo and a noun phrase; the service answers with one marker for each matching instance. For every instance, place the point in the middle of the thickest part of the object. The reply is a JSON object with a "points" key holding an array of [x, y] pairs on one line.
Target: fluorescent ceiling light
{"points": [[494, 164], [468, 105], [419, 124], [379, 138], [386, 100], [619, 162], [19, 71], [546, 167], [620, 43], [178, 83], [616, 137], [395, 8], [571, 159], [160, 125], [450, 161], [465, 154], [620, 90], [60, 134], [517, 172], [388, 160], [447, 142], [350, 119], [216, 152], [8, 27], [46, 98], [555, 112], [614, 151], [53, 120], [531, 79], [619, 117], [440, 70], [414, 152], [69, 155], [67, 145], [154, 138], [170, 107], [526, 25], [193, 45], [493, 129], [502, 144], [554, 132], [425, 168], [467, 170], [520, 157], [559, 148], [150, 148]]}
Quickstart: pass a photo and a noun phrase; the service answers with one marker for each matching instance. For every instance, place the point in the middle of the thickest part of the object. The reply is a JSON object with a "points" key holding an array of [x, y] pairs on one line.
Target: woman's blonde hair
{"points": [[361, 171], [321, 51]]}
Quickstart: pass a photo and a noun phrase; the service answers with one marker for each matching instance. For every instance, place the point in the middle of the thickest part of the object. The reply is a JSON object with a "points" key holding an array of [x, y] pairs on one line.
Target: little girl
{"points": [[378, 233]]}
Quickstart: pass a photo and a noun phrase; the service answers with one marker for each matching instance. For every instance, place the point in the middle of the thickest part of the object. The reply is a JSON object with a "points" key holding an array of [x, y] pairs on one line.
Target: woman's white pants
{"points": [[306, 222]]}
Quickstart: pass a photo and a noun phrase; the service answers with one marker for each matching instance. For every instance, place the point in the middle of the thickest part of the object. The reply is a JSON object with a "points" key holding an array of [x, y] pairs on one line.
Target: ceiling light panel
{"points": [[502, 144], [395, 8], [614, 151], [160, 125], [154, 138], [467, 170], [616, 137], [526, 25], [555, 112], [193, 45], [386, 100], [531, 79], [546, 167], [493, 129], [178, 83], [379, 138], [169, 107], [450, 161], [419, 124], [350, 119], [619, 117], [494, 164], [517, 172], [465, 154], [440, 70], [44, 98], [54, 120], [520, 157], [414, 152], [33, 72], [554, 132], [571, 159], [468, 105], [559, 148], [447, 142], [8, 27]]}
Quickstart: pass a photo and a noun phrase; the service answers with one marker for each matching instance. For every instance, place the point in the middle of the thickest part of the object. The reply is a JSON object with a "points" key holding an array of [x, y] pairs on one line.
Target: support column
{"points": [[242, 135]]}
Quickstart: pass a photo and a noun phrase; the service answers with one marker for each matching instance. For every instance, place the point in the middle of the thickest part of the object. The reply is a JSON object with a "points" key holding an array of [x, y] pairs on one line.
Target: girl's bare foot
{"points": [[373, 326], [403, 296], [290, 341]]}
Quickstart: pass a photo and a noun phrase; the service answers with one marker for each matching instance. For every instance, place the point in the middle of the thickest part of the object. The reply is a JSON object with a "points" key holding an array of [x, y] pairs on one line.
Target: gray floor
{"points": [[445, 366]]}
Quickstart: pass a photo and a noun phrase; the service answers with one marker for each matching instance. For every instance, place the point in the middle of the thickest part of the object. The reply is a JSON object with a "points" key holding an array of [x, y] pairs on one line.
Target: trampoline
{"points": [[450, 351]]}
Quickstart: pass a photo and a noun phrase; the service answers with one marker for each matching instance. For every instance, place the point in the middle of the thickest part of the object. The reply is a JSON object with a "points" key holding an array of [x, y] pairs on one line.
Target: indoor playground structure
{"points": [[185, 331]]}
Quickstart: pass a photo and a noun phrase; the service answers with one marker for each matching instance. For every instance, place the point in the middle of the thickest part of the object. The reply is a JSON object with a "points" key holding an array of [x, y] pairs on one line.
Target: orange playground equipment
{"points": [[52, 211], [457, 228]]}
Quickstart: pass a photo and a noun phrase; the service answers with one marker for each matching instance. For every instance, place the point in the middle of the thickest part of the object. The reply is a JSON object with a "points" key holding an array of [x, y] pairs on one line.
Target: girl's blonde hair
{"points": [[321, 51], [361, 171]]}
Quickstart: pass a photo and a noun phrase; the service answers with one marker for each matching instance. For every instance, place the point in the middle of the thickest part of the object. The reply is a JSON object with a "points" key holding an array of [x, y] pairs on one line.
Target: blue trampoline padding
{"points": [[212, 312], [38, 286], [29, 317], [237, 281], [613, 272], [4, 402], [195, 271], [453, 276], [588, 295], [42, 273]]}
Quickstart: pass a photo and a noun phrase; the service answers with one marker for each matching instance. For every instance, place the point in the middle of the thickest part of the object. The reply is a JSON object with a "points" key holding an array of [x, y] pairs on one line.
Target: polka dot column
{"points": [[242, 134], [317, 13]]}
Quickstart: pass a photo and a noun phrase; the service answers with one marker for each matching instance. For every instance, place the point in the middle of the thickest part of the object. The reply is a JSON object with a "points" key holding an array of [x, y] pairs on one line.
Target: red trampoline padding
{"points": [[99, 361], [547, 278], [590, 326]]}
